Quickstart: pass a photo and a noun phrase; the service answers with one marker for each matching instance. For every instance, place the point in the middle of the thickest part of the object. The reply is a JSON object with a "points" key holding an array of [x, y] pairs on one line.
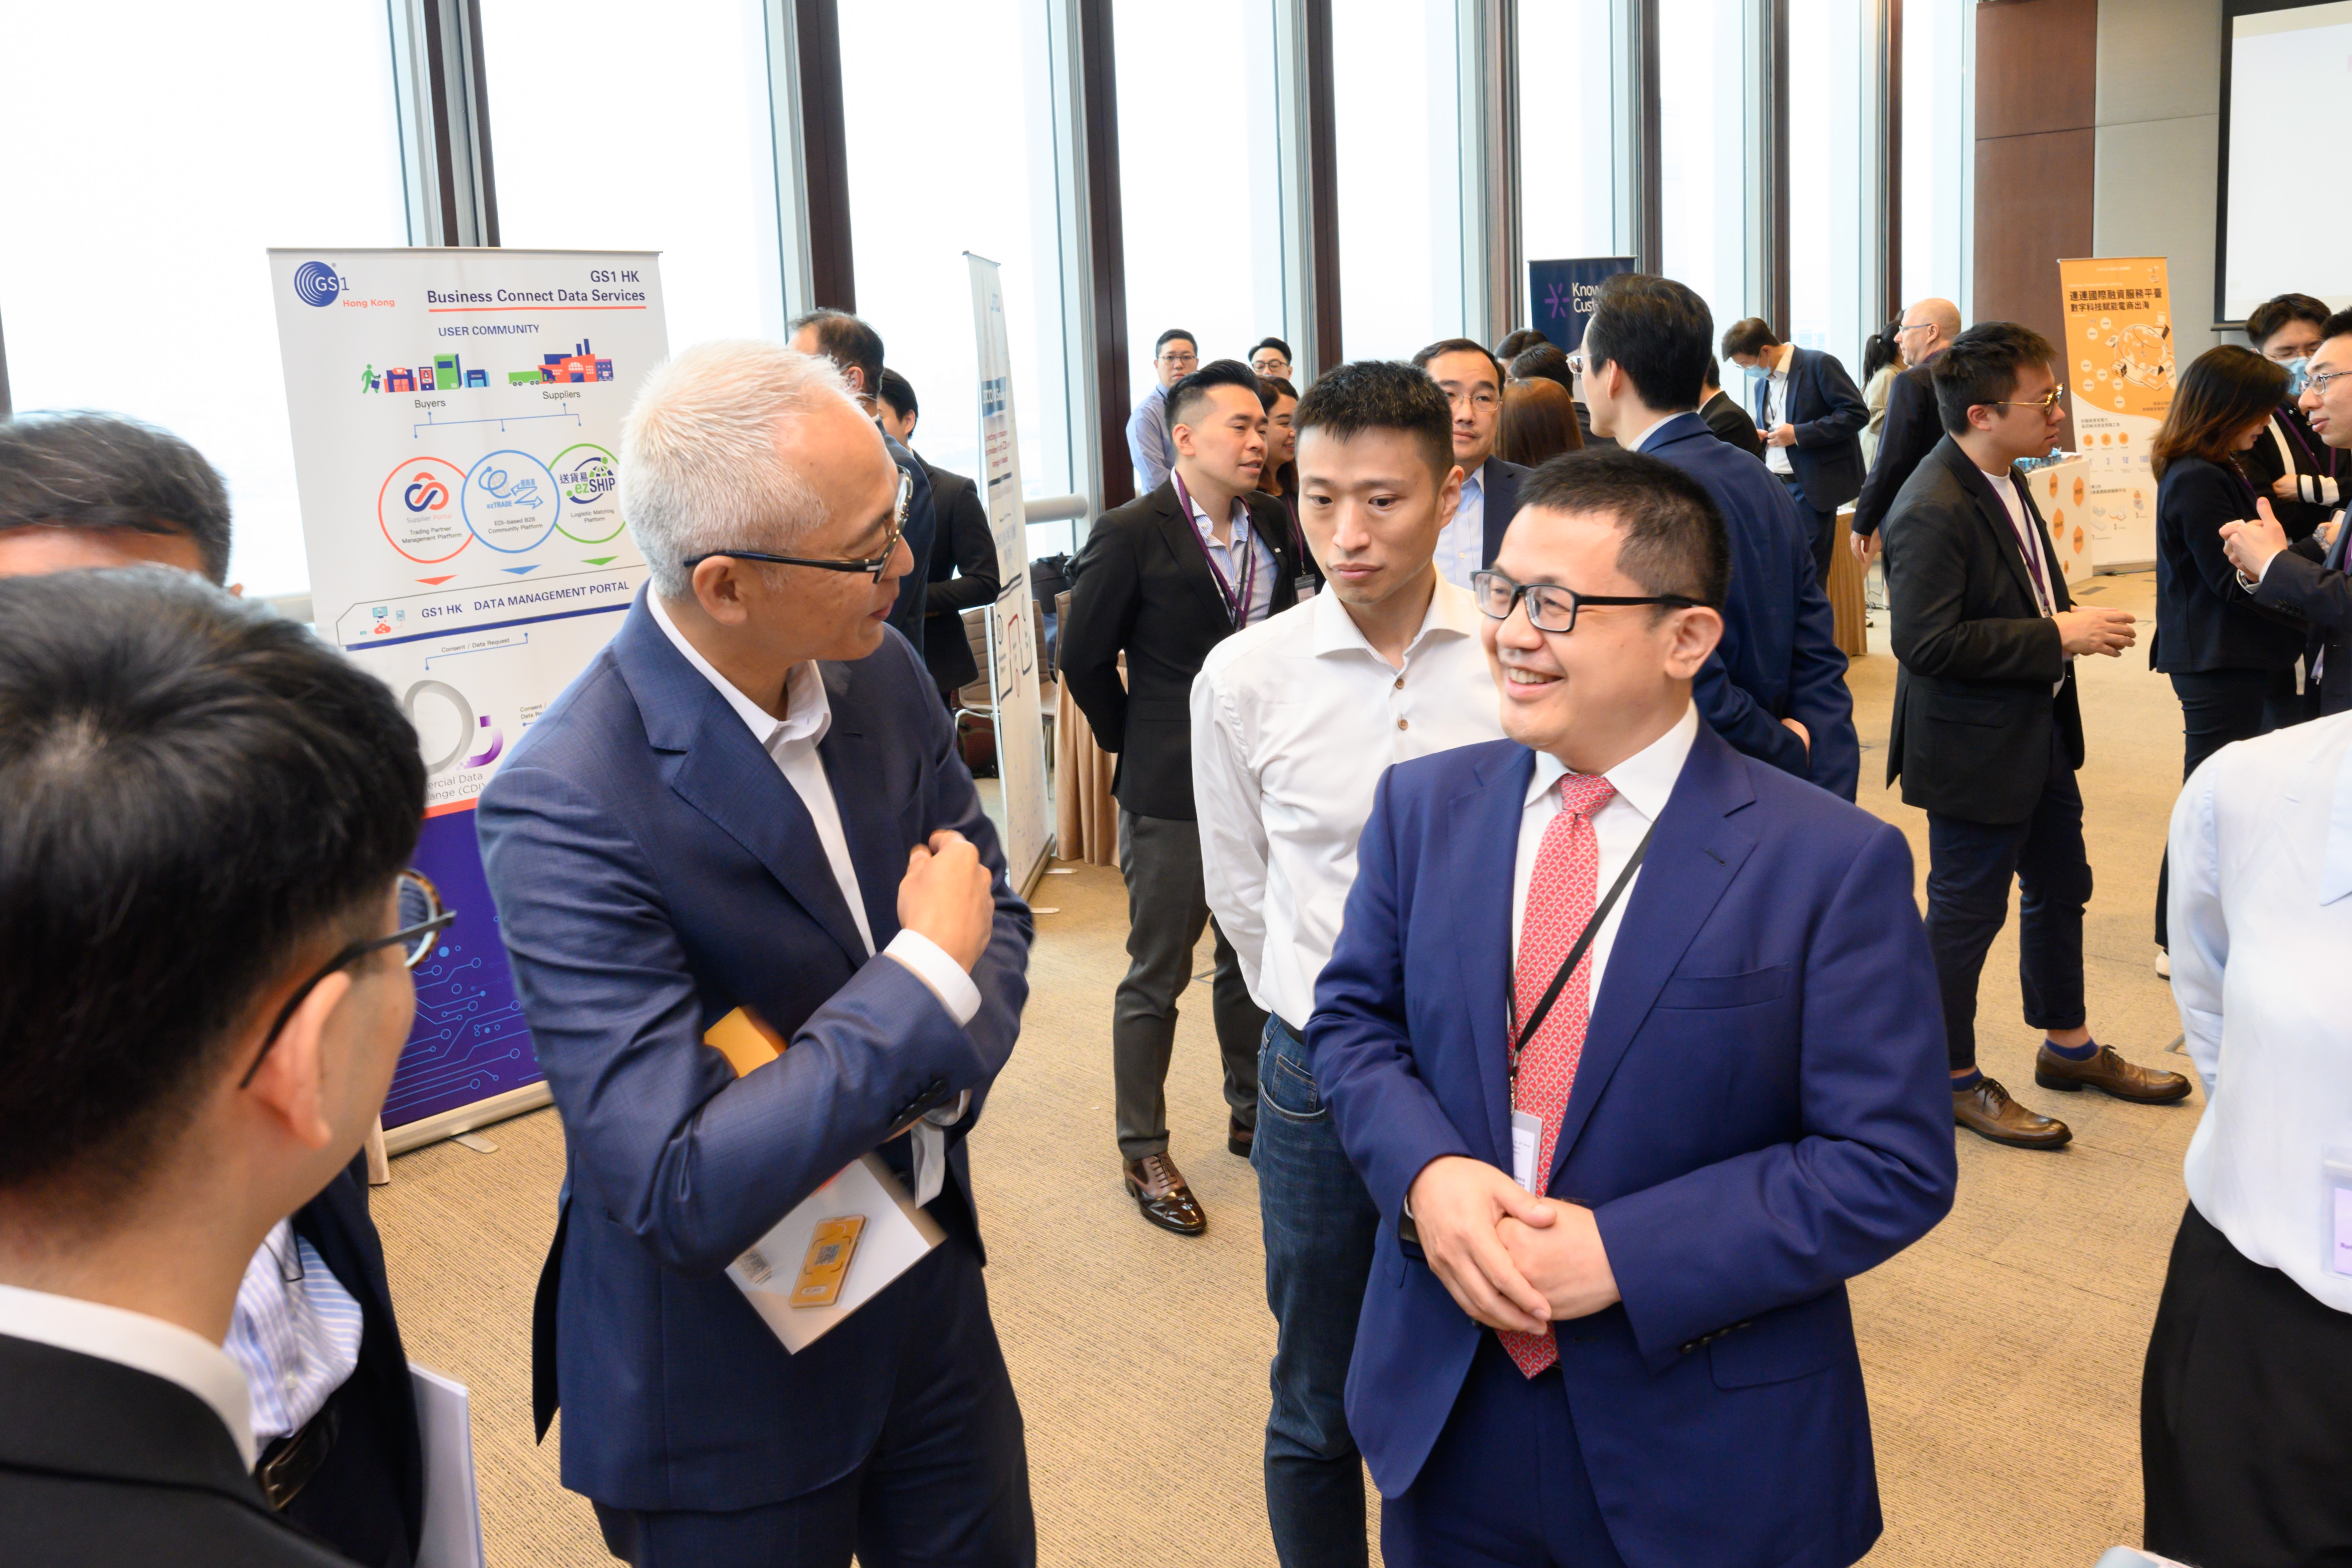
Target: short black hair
{"points": [[1169, 336], [194, 790], [899, 394], [1195, 386], [1517, 343], [1545, 361], [1673, 537], [102, 470], [1980, 365], [1461, 346], [1713, 376], [1750, 335], [2337, 325], [1275, 344], [848, 342], [2271, 314], [1273, 389], [1656, 331], [1381, 395]]}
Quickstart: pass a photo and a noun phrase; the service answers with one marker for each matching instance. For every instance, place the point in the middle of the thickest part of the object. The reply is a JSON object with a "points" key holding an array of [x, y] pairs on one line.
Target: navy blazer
{"points": [[1779, 657], [922, 528], [1761, 1113], [653, 871], [2204, 620], [1829, 414], [1498, 493]]}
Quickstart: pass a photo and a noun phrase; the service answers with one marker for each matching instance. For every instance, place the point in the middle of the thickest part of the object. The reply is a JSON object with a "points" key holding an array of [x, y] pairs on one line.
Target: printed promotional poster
{"points": [[1561, 294], [454, 417], [2118, 367]]}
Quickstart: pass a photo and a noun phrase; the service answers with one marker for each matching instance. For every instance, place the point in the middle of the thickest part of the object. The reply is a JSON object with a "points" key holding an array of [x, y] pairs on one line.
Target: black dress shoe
{"points": [[1159, 1190], [1240, 1139]]}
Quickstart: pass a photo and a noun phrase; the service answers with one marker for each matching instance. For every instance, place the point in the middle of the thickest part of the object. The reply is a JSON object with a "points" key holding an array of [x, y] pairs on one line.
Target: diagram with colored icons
{"points": [[510, 501]]}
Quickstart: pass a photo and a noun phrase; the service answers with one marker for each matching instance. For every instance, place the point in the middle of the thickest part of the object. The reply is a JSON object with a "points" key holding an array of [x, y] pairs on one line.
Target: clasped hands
{"points": [[1510, 1260]]}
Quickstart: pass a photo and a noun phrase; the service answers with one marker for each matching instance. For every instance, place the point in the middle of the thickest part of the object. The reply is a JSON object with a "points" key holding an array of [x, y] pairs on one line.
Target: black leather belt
{"points": [[292, 1460]]}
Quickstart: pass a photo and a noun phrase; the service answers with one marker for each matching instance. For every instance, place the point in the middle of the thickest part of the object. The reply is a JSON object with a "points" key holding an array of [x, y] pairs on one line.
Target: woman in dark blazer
{"points": [[2232, 662]]}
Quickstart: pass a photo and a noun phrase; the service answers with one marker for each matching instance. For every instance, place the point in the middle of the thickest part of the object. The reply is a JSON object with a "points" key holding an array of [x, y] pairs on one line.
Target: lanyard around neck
{"points": [[1237, 601]]}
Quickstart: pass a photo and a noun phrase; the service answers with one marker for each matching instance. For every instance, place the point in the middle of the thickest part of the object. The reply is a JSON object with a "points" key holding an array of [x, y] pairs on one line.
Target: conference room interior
{"points": [[1358, 178]]}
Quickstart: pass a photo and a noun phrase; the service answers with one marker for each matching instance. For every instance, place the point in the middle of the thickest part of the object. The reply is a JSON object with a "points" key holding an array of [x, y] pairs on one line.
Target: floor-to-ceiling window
{"points": [[1396, 98], [1568, 116], [1937, 87], [1831, 132], [1709, 175], [156, 156]]}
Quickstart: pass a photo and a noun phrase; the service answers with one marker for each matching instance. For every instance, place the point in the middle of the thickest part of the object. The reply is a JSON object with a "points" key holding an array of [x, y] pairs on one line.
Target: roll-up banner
{"points": [[456, 416], [1561, 294], [1013, 632], [2118, 372]]}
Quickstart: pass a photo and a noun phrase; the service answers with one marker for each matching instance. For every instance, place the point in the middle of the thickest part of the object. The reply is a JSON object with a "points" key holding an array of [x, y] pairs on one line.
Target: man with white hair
{"points": [[1912, 426], [751, 801]]}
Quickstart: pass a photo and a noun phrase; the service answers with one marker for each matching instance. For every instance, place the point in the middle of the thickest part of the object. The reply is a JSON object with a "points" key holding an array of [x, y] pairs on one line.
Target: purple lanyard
{"points": [[2289, 426], [1237, 605]]}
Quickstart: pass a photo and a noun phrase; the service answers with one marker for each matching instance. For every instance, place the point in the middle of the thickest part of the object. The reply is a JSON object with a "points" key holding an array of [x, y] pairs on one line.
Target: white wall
{"points": [[2159, 141]]}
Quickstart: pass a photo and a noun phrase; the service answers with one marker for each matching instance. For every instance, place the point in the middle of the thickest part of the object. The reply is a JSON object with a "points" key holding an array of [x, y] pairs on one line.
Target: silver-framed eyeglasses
{"points": [[874, 564], [2318, 379], [422, 919], [1551, 607]]}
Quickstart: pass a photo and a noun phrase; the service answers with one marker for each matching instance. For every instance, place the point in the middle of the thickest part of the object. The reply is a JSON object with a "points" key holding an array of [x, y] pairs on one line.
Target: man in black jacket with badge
{"points": [[1988, 730], [1912, 426], [1162, 580]]}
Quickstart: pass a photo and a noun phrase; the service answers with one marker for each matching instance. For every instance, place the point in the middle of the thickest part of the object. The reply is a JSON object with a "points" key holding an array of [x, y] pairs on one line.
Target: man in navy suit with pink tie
{"points": [[1686, 999]]}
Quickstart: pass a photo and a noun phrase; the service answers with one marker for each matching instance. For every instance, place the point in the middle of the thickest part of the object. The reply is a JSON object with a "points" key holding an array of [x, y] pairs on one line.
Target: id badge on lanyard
{"points": [[1237, 601]]}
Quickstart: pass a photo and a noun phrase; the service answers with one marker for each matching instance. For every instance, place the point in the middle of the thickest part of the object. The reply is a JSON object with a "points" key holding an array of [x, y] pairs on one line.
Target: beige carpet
{"points": [[2003, 1352]]}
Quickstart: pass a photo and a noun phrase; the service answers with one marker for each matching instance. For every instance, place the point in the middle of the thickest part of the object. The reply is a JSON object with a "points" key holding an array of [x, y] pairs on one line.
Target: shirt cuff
{"points": [[932, 966]]}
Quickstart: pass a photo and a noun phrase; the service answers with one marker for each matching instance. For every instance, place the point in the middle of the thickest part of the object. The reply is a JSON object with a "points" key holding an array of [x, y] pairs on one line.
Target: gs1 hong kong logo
{"points": [[316, 283]]}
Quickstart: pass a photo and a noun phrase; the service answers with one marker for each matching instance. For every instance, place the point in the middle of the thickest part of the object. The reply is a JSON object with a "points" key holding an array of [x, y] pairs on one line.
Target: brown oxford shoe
{"points": [[1238, 1138], [1159, 1190], [1986, 1109], [2110, 1072]]}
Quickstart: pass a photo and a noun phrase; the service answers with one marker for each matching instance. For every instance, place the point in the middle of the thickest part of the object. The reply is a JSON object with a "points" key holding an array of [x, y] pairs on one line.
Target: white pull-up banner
{"points": [[456, 416]]}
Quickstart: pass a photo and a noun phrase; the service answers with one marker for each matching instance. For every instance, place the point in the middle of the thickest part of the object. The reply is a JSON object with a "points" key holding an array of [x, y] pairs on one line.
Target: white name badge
{"points": [[1526, 1140]]}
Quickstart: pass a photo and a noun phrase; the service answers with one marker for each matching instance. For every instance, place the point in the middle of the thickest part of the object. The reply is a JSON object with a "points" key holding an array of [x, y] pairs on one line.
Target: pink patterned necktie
{"points": [[1560, 896]]}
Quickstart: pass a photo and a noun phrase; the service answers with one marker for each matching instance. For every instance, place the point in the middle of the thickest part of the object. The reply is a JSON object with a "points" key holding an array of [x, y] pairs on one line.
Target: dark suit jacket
{"points": [[376, 1450], [1910, 432], [1828, 413], [2310, 582], [2289, 445], [1760, 1114], [2204, 621], [907, 610], [962, 573], [653, 871], [104, 1467], [1730, 422], [1779, 657], [1142, 587], [1498, 488], [1973, 706]]}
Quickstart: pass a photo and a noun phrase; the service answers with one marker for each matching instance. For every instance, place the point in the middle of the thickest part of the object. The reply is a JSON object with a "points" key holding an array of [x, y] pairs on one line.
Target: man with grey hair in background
{"points": [[751, 802]]}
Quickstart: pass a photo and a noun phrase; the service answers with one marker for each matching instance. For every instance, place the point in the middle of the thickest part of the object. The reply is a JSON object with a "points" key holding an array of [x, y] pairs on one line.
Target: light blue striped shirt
{"points": [[295, 1340]]}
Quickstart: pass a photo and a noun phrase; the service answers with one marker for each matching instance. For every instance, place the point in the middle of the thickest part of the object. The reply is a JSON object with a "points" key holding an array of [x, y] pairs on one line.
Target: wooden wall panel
{"points": [[2037, 67]]}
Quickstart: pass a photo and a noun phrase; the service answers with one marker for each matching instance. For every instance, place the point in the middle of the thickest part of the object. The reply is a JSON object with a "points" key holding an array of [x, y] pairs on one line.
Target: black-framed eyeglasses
{"points": [[874, 564], [1551, 607], [422, 920]]}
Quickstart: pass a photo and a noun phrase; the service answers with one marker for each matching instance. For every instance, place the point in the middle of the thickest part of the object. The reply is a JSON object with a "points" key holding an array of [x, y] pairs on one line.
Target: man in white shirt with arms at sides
{"points": [[1292, 722]]}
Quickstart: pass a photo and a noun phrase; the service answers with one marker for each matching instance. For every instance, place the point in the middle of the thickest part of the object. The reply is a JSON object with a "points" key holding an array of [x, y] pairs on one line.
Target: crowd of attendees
{"points": [[1487, 709]]}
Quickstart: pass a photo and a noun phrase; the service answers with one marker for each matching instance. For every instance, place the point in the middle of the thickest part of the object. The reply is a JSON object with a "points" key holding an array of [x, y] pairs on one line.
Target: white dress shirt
{"points": [[791, 743], [297, 1340], [2261, 919], [1643, 782], [1776, 414], [2029, 544], [1231, 557], [140, 1342], [1462, 543], [1294, 722]]}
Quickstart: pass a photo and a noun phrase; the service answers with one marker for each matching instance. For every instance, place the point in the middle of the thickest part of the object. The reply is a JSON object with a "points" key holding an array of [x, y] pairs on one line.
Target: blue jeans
{"points": [[1320, 1224]]}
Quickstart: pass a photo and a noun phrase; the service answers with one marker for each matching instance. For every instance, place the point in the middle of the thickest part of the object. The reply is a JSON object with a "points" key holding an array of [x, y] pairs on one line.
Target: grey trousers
{"points": [[1166, 907]]}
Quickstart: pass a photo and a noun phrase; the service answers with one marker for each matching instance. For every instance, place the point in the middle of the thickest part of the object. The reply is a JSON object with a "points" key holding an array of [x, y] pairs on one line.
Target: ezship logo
{"points": [[316, 283]]}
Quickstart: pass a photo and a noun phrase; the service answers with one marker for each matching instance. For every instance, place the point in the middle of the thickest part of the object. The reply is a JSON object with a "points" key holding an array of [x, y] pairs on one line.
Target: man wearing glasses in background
{"points": [[333, 1412], [1472, 379], [752, 799], [1988, 726], [1912, 427], [1271, 359], [1632, 1039], [1150, 441], [181, 1069]]}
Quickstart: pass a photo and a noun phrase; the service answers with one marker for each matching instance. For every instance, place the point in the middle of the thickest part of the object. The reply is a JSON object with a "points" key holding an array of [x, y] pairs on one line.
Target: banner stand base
{"points": [[413, 1135]]}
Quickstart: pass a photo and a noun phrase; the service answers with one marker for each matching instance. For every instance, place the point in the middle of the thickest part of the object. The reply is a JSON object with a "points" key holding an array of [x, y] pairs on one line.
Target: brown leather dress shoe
{"points": [[1238, 1138], [1159, 1190], [2109, 1071], [1986, 1109]]}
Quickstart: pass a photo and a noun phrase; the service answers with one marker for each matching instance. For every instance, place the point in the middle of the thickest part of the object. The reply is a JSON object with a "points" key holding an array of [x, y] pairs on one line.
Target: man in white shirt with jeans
{"points": [[2246, 1409], [1292, 722]]}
